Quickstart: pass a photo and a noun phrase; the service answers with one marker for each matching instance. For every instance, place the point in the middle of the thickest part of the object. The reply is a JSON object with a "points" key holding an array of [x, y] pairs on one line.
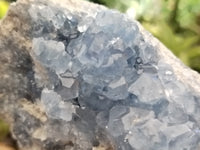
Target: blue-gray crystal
{"points": [[104, 83], [110, 60]]}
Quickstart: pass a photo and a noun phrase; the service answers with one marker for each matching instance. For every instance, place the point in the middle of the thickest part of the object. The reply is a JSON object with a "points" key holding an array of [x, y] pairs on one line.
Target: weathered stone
{"points": [[78, 76]]}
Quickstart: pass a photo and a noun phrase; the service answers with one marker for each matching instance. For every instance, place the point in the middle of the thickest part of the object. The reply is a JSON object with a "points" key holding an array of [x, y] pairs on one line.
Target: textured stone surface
{"points": [[77, 76]]}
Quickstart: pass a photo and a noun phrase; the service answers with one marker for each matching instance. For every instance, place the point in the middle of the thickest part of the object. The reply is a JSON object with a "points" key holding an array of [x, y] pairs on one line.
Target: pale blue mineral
{"points": [[102, 71]]}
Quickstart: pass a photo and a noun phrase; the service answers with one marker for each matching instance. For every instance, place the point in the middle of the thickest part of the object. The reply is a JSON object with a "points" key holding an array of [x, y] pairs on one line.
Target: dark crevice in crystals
{"points": [[138, 61], [138, 65], [32, 86], [131, 61], [68, 32], [63, 38], [66, 38], [75, 101]]}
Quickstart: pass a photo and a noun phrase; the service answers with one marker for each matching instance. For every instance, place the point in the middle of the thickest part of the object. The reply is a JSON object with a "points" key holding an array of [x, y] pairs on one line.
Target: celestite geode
{"points": [[104, 83]]}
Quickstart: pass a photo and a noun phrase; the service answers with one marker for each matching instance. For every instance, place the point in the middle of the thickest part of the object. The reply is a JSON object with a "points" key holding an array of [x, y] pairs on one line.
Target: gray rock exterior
{"points": [[78, 76]]}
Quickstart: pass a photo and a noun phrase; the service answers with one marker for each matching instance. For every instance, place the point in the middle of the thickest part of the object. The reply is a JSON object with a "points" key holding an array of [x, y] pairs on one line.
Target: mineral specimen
{"points": [[78, 76]]}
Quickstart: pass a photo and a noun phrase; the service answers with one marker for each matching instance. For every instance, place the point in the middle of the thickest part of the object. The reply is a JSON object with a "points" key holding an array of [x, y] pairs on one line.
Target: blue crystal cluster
{"points": [[104, 76]]}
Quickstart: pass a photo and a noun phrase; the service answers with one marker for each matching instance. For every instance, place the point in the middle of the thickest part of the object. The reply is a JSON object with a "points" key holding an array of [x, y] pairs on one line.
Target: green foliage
{"points": [[3, 130], [178, 28], [3, 126], [185, 47], [189, 15], [121, 5], [3, 8]]}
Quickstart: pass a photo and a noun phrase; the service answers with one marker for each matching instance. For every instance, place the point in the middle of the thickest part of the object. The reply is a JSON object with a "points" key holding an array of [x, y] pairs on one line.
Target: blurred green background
{"points": [[174, 22]]}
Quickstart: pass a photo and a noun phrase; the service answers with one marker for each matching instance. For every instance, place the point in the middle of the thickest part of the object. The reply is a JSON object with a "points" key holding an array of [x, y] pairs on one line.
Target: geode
{"points": [[78, 76]]}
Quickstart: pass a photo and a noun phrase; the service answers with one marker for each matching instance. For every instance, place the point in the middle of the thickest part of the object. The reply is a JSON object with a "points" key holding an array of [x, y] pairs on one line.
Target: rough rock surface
{"points": [[77, 76]]}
